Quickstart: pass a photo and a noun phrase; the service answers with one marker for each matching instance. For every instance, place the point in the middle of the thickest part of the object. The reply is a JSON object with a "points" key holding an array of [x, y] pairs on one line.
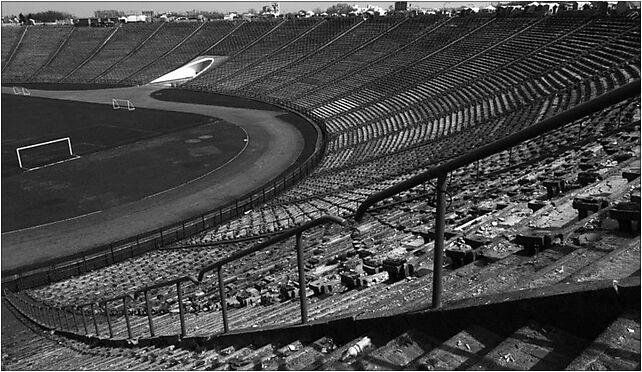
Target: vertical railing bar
{"points": [[302, 285], [149, 314], [181, 310], [129, 327], [440, 224], [111, 333], [64, 312], [221, 291], [59, 318], [93, 316], [73, 314], [84, 320]]}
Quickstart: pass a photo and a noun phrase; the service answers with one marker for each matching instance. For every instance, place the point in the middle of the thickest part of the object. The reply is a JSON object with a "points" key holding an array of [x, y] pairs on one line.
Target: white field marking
{"points": [[50, 223], [50, 164]]}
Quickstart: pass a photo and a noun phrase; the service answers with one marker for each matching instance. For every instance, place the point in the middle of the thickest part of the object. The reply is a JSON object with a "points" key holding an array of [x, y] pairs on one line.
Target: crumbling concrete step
{"points": [[235, 358], [562, 268], [617, 348], [620, 263], [309, 355], [336, 360], [460, 351], [533, 347], [398, 352], [254, 359], [505, 273]]}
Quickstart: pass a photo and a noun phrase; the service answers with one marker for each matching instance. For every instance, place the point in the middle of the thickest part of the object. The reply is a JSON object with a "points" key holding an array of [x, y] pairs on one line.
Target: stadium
{"points": [[457, 190]]}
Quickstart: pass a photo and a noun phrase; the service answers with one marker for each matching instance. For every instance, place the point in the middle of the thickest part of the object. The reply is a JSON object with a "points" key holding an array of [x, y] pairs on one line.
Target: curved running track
{"points": [[278, 147]]}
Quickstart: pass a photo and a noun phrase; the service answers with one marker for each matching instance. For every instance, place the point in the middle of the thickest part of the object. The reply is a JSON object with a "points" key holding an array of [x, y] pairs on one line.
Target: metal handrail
{"points": [[44, 314], [286, 234], [298, 231], [555, 122], [440, 171]]}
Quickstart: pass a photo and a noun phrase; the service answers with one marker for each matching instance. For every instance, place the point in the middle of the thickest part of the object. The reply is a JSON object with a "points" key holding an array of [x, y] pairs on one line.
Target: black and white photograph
{"points": [[320, 185]]}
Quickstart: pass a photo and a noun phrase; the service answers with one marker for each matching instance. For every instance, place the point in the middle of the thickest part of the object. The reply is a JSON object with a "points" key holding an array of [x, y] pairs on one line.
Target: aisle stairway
{"points": [[518, 330]]}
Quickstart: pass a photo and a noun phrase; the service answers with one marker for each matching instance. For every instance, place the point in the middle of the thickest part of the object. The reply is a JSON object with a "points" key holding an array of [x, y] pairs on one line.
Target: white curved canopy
{"points": [[190, 70]]}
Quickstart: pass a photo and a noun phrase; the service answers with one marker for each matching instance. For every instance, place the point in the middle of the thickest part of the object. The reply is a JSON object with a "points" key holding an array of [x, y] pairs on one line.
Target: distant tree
{"points": [[213, 15], [252, 11], [108, 13], [22, 19], [317, 10], [49, 16], [341, 8]]}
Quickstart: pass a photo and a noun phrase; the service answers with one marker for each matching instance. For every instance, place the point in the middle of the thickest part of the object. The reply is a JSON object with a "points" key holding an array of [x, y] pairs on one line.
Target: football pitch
{"points": [[124, 156]]}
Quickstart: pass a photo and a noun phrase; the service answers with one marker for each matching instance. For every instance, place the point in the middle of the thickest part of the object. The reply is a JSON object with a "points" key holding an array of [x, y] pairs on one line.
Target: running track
{"points": [[274, 145]]}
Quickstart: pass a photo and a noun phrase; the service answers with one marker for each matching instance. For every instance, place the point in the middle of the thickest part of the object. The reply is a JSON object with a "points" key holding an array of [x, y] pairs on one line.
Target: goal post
{"points": [[21, 91], [118, 104], [46, 153]]}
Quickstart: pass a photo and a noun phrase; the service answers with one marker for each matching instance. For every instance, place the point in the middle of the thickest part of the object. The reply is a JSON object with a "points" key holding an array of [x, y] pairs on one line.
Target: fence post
{"points": [[221, 291], [93, 316], [302, 286], [73, 315], [149, 314], [111, 333], [440, 225], [111, 249], [64, 312], [84, 263], [129, 326], [203, 220], [59, 318], [161, 236], [84, 320], [181, 310], [183, 230]]}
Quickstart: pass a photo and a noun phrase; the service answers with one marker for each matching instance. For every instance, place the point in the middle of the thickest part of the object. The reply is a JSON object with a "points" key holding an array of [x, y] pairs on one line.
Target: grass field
{"points": [[124, 156]]}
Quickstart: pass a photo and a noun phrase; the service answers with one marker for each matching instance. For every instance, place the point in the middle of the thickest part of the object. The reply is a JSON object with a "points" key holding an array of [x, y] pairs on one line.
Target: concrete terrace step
{"points": [[462, 350], [398, 352], [620, 263], [616, 348], [533, 347]]}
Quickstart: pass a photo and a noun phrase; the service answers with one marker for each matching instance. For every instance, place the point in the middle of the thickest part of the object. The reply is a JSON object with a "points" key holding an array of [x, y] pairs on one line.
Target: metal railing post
{"points": [[440, 224], [64, 312], [221, 292], [73, 315], [111, 332], [93, 316], [181, 310], [84, 320], [129, 326], [302, 286], [149, 314], [59, 318]]}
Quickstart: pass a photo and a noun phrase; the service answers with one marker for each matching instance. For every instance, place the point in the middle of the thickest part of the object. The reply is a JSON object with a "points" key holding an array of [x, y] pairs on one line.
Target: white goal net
{"points": [[44, 154], [118, 104], [21, 91]]}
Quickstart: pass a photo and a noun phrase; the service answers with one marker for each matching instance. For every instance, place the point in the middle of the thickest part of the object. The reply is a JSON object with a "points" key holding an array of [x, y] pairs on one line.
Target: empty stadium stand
{"points": [[541, 249]]}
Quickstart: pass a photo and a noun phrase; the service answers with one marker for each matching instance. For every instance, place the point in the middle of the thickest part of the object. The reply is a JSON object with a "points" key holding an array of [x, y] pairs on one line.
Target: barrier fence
{"points": [[130, 316]]}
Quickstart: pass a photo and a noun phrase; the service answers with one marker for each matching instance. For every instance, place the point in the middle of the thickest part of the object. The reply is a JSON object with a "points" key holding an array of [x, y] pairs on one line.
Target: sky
{"points": [[86, 8]]}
